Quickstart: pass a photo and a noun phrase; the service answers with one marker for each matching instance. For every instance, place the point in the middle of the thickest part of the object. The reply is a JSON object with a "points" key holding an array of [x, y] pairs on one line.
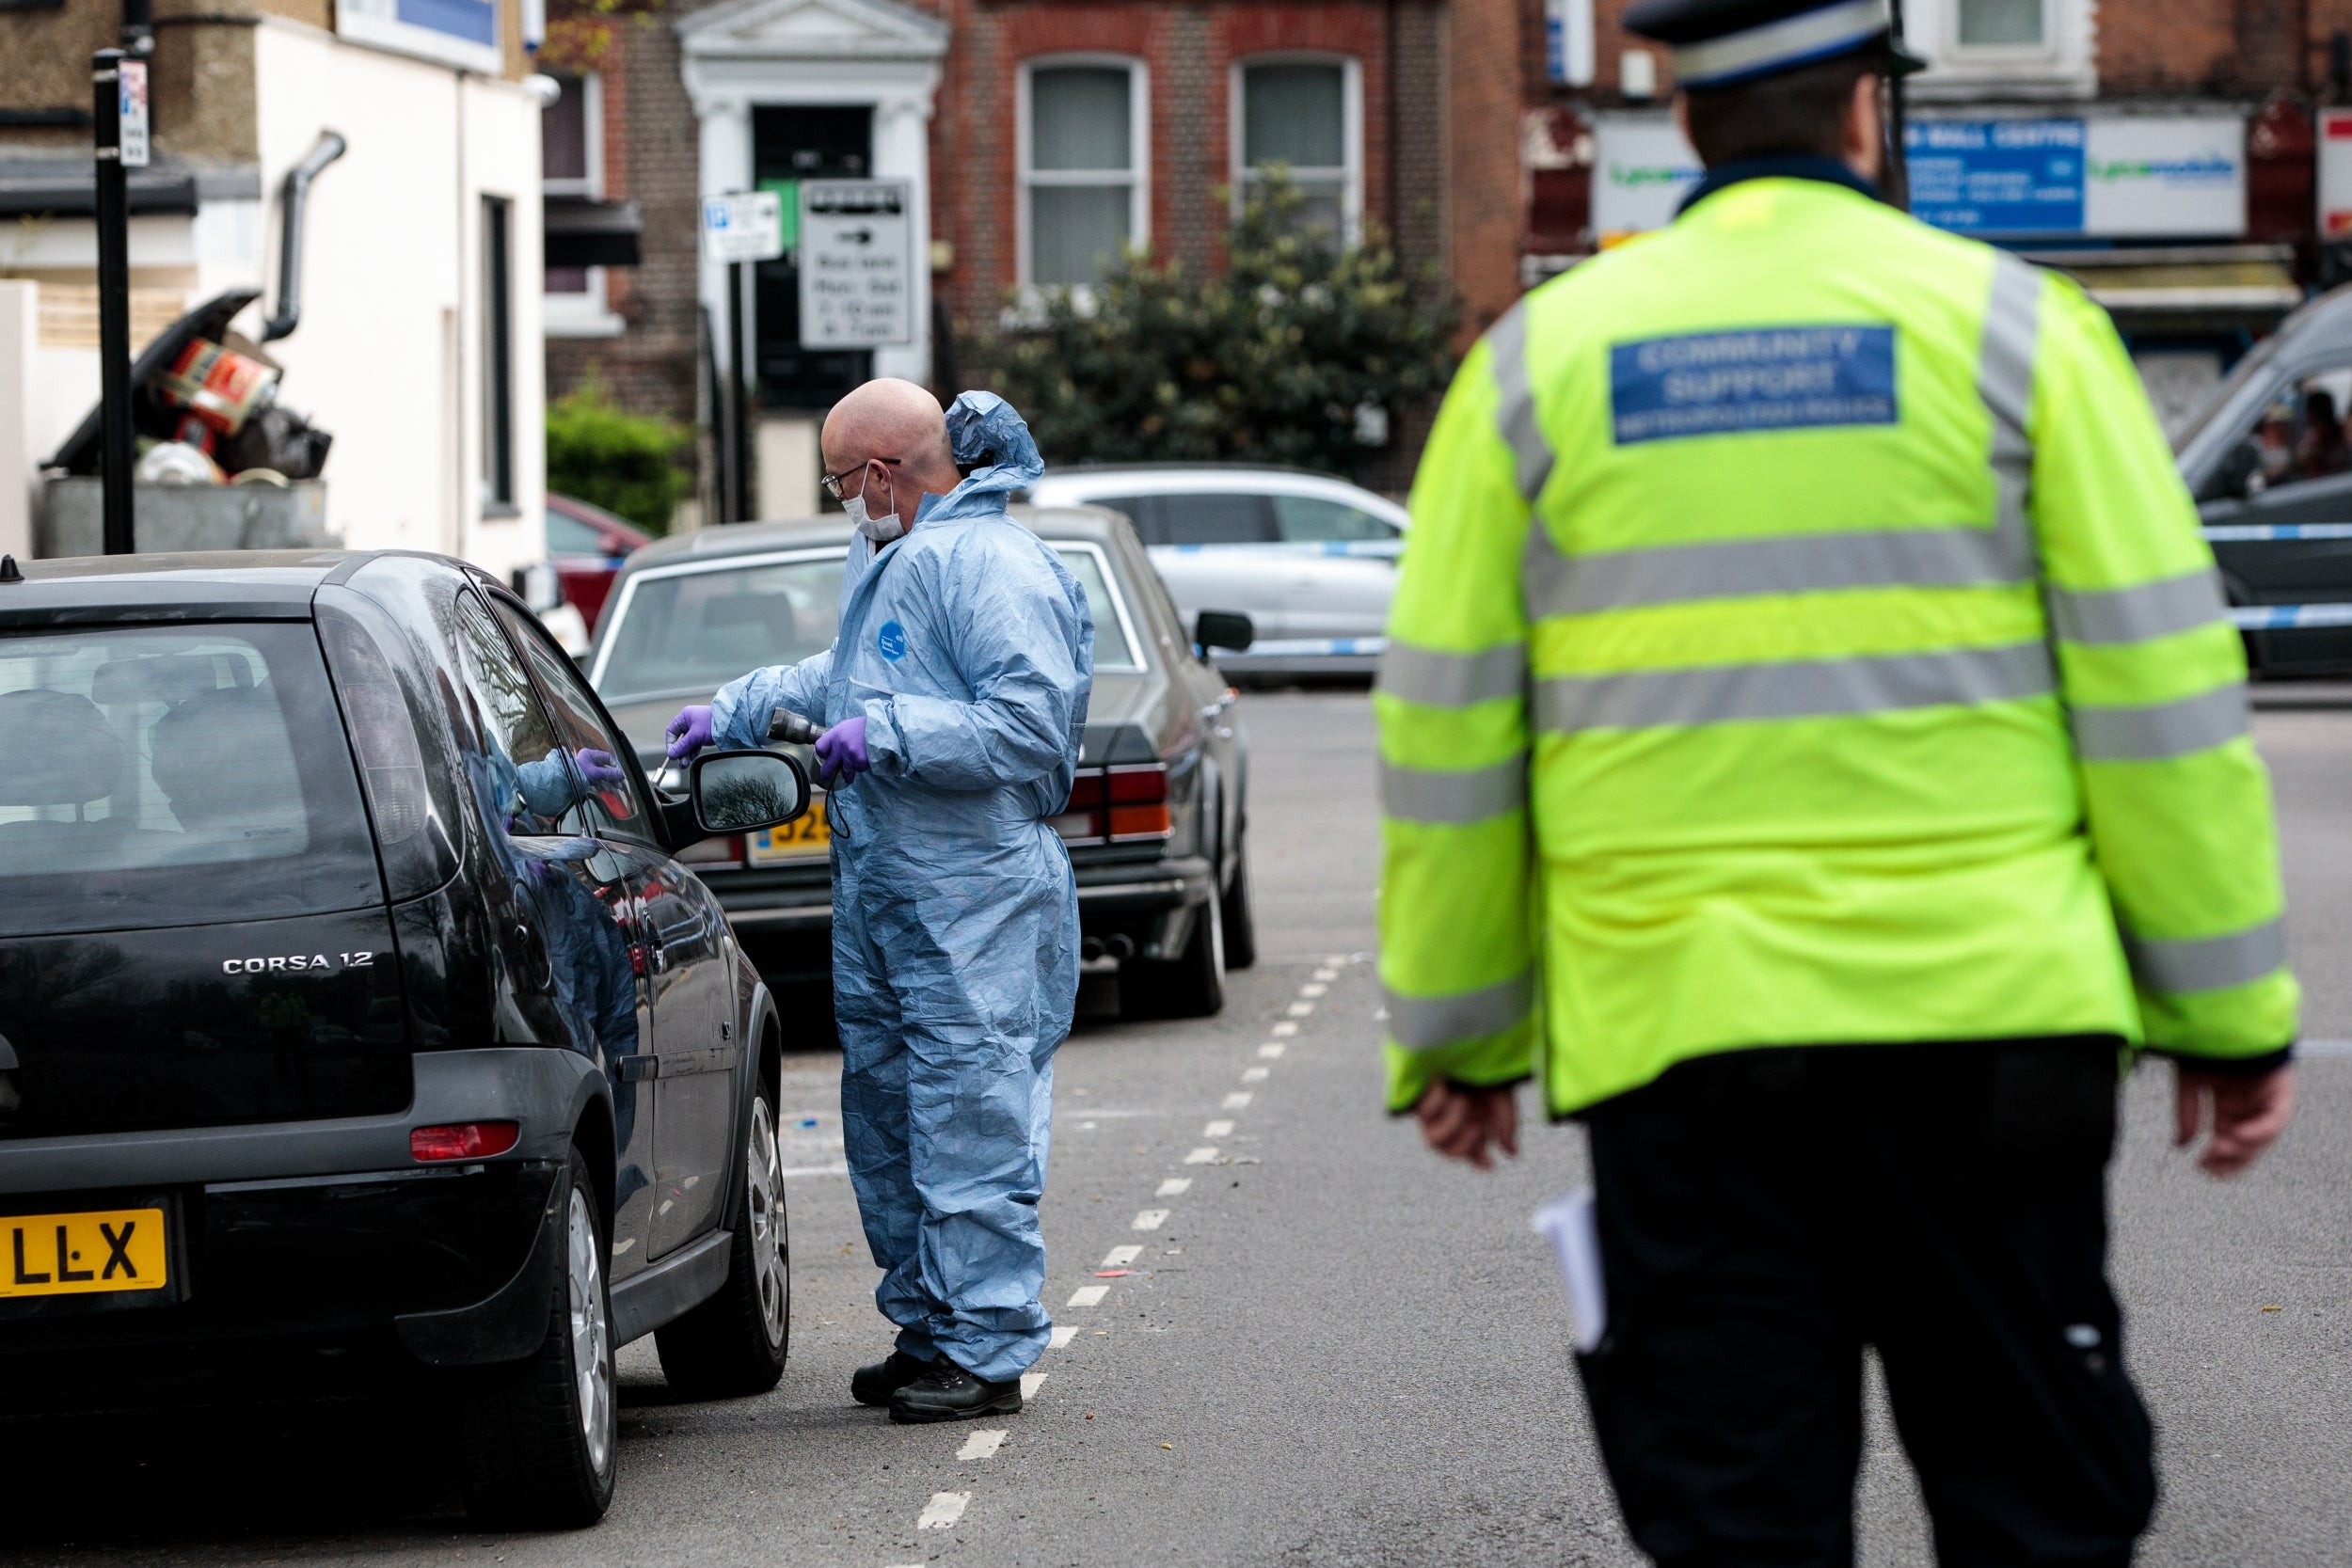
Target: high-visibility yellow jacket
{"points": [[1804, 637]]}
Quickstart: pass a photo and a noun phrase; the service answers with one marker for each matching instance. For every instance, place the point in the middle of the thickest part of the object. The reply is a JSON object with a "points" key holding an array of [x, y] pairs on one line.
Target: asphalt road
{"points": [[1329, 1350]]}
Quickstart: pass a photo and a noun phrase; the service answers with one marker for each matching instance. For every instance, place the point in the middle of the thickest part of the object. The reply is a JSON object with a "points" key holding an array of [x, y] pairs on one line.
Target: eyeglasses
{"points": [[832, 482]]}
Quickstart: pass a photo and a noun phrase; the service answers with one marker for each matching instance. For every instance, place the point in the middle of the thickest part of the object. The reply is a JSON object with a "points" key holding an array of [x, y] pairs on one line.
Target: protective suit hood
{"points": [[987, 436]]}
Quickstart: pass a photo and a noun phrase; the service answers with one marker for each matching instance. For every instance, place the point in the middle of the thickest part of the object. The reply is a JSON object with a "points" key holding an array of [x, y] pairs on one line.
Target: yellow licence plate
{"points": [[69, 1255], [794, 840]]}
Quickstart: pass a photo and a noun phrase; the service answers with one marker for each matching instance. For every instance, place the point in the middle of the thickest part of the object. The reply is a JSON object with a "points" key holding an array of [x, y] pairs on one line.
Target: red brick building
{"points": [[1499, 140]]}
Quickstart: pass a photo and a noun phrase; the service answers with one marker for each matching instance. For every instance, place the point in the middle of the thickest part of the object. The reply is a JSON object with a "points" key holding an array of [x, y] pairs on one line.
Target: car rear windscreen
{"points": [[168, 776], [699, 630]]}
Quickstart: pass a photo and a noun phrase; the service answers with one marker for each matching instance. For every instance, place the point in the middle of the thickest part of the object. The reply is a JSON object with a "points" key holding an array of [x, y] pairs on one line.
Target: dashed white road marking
{"points": [[1284, 1029], [1031, 1383], [1255, 1075], [981, 1445], [1326, 973], [1300, 1009], [944, 1509], [1063, 1335], [1175, 1186], [1219, 1128], [1335, 960], [1149, 1219], [1270, 1052], [1318, 989], [1237, 1100], [1201, 1156], [1120, 1257], [839, 1167], [1089, 1295]]}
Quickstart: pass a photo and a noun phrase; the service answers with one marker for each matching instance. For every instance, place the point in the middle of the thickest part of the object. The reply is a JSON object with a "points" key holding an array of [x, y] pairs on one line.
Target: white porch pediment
{"points": [[782, 30]]}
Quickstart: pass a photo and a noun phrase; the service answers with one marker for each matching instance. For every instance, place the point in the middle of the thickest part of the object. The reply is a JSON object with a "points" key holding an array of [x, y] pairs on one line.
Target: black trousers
{"points": [[1765, 1215]]}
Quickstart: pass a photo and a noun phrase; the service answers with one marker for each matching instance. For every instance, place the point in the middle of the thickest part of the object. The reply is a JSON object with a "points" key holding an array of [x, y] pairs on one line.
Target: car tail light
{"points": [[1081, 818], [725, 850], [464, 1140], [1138, 802]]}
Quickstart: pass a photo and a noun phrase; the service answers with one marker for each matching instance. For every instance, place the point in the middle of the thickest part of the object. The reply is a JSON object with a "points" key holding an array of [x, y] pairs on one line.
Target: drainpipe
{"points": [[296, 196]]}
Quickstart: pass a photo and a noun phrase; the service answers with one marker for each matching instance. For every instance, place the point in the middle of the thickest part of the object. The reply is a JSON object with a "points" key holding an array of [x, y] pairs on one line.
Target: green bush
{"points": [[1281, 359], [628, 463]]}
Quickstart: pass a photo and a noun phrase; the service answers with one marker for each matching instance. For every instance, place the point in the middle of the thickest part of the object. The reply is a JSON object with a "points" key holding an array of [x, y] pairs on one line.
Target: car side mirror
{"points": [[1224, 629], [737, 792]]}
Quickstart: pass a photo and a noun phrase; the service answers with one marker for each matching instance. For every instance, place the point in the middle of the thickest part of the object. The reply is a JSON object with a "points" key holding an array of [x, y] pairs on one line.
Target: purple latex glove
{"points": [[841, 752], [689, 731], [599, 767]]}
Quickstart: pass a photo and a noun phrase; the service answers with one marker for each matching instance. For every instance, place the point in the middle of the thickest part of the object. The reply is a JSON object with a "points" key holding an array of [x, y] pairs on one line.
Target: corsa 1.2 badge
{"points": [[297, 963]]}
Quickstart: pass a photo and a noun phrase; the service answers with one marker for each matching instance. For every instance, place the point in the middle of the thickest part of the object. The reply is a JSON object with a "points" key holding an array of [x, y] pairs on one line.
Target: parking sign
{"points": [[744, 226], [857, 264]]}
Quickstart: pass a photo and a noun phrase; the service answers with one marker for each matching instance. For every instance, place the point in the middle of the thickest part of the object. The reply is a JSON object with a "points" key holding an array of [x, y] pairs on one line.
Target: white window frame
{"points": [[585, 314], [1351, 131], [1138, 160], [2061, 66]]}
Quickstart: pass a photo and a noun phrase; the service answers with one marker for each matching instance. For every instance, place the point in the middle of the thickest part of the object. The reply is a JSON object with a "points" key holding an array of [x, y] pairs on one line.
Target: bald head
{"points": [[890, 419]]}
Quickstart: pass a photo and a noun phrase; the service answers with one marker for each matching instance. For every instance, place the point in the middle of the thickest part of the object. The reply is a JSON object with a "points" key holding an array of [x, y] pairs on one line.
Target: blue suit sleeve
{"points": [[546, 786], [740, 711], [1017, 643]]}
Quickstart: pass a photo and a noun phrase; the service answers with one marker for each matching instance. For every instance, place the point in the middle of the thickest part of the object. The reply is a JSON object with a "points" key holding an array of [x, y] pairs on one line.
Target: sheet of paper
{"points": [[1567, 1223]]}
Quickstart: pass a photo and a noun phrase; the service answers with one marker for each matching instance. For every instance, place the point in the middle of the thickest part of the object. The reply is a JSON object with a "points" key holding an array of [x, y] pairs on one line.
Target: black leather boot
{"points": [[946, 1392], [874, 1383]]}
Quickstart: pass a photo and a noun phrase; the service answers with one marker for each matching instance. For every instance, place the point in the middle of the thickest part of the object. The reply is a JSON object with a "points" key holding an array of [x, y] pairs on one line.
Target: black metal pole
{"points": [[1897, 179], [739, 402], [114, 304]]}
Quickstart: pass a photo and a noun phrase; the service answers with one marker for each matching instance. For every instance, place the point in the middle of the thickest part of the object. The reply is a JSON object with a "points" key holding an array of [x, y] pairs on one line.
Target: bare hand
{"points": [[2248, 1114], [1464, 1123]]}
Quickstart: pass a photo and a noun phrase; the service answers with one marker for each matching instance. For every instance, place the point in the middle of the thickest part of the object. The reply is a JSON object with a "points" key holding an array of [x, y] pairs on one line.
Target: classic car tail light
{"points": [[1081, 818], [727, 849], [464, 1140], [1138, 802]]}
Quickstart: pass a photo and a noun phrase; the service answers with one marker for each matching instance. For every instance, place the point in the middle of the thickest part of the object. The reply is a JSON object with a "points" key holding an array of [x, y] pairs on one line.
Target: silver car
{"points": [[1310, 560]]}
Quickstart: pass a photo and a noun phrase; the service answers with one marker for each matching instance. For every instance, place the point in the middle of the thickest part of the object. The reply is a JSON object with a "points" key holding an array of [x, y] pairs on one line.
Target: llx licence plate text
{"points": [[61, 1255]]}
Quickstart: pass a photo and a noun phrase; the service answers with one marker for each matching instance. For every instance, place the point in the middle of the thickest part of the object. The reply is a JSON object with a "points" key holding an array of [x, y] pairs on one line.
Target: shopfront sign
{"points": [[2335, 174], [2112, 176], [1642, 169], [1997, 176]]}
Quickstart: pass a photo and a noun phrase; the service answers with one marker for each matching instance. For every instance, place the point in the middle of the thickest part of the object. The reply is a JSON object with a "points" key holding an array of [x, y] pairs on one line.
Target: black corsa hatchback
{"points": [[355, 1012]]}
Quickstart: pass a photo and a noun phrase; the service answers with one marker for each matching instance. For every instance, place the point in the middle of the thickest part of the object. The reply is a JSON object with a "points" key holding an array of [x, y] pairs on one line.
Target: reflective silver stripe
{"points": [[1419, 1023], [1437, 680], [1785, 564], [2005, 382], [1712, 694], [1515, 414], [2208, 963], [2135, 614], [1455, 794], [2161, 730]]}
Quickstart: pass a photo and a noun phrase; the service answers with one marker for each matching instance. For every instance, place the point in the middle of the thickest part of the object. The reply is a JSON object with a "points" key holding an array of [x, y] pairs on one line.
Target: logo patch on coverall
{"points": [[1763, 378], [891, 641]]}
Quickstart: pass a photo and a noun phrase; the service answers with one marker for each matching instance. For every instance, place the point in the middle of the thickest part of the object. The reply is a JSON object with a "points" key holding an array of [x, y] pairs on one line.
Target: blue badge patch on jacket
{"points": [[891, 641], [1763, 378]]}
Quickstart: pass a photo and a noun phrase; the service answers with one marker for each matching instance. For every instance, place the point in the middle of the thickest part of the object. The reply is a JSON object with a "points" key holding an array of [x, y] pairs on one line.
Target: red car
{"points": [[586, 545]]}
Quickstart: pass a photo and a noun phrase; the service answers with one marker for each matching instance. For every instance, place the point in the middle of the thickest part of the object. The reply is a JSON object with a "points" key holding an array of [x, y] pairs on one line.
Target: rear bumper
{"points": [[1130, 897], [315, 1235]]}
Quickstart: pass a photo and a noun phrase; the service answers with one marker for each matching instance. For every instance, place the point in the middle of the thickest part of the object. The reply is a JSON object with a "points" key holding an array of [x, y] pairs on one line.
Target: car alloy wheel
{"points": [[592, 1334], [764, 1188]]}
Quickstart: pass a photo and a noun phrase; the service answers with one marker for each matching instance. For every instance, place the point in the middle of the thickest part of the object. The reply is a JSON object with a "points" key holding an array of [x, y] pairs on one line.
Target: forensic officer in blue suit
{"points": [[954, 699]]}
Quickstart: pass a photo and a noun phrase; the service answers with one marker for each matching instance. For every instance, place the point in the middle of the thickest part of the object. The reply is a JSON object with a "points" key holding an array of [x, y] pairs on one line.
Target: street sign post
{"points": [[857, 264], [119, 119], [738, 228]]}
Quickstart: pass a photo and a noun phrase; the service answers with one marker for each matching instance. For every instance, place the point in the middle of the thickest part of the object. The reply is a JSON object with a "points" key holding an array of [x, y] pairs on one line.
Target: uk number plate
{"points": [[804, 839], [69, 1255]]}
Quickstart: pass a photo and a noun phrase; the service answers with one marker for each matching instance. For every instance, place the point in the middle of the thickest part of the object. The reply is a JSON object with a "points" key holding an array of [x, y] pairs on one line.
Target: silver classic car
{"points": [[1310, 559]]}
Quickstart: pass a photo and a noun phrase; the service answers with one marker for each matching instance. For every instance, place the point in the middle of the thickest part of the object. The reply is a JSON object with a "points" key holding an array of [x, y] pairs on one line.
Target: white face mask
{"points": [[882, 530]]}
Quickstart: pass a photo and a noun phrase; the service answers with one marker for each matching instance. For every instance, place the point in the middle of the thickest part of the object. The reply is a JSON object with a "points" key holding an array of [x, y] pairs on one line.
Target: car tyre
{"points": [[735, 1343], [538, 1450], [1191, 985], [1241, 924]]}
